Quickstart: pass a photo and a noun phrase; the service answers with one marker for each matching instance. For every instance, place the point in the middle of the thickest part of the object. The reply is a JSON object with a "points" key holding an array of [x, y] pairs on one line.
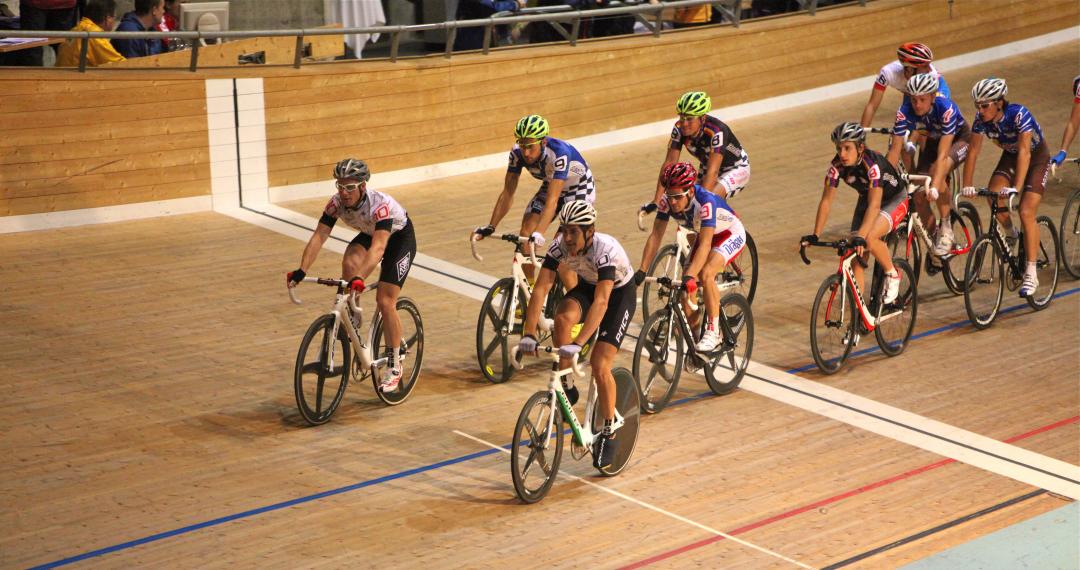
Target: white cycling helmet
{"points": [[922, 84], [577, 213], [989, 89]]}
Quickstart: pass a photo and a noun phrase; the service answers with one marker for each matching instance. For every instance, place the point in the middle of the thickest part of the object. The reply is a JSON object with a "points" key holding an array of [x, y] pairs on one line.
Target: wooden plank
{"points": [[129, 131], [97, 196]]}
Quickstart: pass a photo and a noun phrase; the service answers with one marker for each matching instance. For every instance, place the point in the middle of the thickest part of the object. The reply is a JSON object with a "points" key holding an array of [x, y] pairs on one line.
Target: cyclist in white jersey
{"points": [[605, 298], [386, 237], [1070, 127]]}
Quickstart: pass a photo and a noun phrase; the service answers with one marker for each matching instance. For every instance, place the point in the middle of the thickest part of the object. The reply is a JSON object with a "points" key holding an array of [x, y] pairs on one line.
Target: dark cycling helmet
{"points": [[352, 168], [914, 54], [849, 131], [577, 213], [678, 175], [922, 84], [989, 89], [1076, 85]]}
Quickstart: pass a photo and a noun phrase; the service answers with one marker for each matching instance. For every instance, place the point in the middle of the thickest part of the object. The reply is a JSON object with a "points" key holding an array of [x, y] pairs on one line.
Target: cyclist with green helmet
{"points": [[724, 168]]}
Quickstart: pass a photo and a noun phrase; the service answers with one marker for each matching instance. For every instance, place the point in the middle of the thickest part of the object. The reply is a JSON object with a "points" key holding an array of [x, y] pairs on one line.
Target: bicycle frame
{"points": [[1013, 262], [847, 274], [682, 250], [346, 304], [915, 225], [517, 272], [673, 307]]}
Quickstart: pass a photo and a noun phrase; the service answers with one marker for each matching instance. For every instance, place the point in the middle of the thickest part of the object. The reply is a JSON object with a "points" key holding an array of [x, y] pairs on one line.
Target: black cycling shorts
{"points": [[621, 306], [398, 257]]}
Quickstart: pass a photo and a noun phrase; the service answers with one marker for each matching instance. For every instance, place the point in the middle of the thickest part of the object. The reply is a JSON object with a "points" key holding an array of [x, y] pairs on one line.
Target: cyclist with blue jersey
{"points": [[723, 166], [715, 223], [1070, 127], [945, 147], [1024, 164]]}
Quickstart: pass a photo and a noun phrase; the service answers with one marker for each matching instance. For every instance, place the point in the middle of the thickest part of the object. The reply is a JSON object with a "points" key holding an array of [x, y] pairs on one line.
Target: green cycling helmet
{"points": [[531, 127], [694, 103]]}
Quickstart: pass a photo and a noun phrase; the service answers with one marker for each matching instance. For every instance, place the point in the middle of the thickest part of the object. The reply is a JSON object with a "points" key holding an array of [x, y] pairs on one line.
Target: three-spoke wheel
{"points": [[411, 350], [322, 370]]}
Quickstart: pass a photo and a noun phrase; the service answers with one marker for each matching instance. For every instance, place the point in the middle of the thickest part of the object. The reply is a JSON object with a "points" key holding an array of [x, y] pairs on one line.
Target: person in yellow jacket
{"points": [[98, 16]]}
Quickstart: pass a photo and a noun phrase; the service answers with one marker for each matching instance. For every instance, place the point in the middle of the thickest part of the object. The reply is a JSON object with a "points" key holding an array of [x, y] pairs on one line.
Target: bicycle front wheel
{"points": [[966, 230], [742, 270], [653, 295], [984, 282], [1046, 264], [410, 351], [322, 371], [629, 406], [896, 320], [536, 450], [725, 370], [494, 327], [832, 325], [1069, 238], [658, 359]]}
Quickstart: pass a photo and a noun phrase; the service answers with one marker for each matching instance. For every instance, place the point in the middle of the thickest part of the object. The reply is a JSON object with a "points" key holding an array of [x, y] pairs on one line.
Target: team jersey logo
{"points": [[382, 213], [403, 267], [947, 116], [331, 208], [675, 134], [874, 173], [706, 211], [882, 80]]}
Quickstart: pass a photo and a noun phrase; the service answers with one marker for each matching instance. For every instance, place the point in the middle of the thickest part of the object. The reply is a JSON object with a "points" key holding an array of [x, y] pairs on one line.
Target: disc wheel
{"points": [[726, 367], [629, 406], [896, 320], [658, 360], [832, 325], [322, 371], [411, 350], [536, 450], [984, 282]]}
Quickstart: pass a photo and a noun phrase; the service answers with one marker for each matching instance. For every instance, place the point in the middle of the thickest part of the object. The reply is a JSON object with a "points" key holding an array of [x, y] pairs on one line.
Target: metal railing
{"points": [[650, 15]]}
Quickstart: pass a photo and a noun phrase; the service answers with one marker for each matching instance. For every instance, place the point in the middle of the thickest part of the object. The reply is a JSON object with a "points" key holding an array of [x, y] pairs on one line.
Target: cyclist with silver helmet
{"points": [[1070, 127], [912, 58], [714, 222], [945, 147], [564, 176], [1024, 162], [386, 239], [723, 166], [604, 299], [882, 201]]}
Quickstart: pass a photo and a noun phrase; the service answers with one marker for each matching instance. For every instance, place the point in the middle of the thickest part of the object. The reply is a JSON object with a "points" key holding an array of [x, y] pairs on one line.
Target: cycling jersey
{"points": [[605, 258], [871, 171], [715, 137], [375, 211], [942, 119], [1005, 133], [892, 75], [1076, 89], [706, 210], [558, 161]]}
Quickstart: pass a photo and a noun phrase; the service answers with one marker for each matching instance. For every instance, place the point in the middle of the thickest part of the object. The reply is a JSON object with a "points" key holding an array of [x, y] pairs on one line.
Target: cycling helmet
{"points": [[678, 175], [352, 168], [989, 89], [922, 84], [852, 132], [531, 127], [577, 213], [694, 103], [914, 54], [1076, 84]]}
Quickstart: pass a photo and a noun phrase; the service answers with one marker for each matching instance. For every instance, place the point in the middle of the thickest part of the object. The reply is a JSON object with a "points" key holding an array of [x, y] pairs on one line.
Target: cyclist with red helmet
{"points": [[912, 58], [716, 224], [1071, 127]]}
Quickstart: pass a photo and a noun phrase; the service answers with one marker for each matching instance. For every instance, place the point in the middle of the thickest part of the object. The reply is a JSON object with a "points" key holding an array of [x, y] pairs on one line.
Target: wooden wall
{"points": [[114, 137]]}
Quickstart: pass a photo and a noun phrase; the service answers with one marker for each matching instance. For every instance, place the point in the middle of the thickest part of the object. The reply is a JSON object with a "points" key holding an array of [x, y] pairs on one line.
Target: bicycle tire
{"points": [[1069, 235], [494, 326], [984, 282], [528, 441], [828, 299], [743, 269], [1046, 264], [629, 405], [967, 229], [663, 265], [898, 247], [310, 400], [411, 350], [907, 307], [664, 365], [725, 371]]}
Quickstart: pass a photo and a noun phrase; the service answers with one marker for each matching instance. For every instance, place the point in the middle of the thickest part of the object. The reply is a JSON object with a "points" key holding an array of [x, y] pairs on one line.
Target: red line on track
{"points": [[833, 499]]}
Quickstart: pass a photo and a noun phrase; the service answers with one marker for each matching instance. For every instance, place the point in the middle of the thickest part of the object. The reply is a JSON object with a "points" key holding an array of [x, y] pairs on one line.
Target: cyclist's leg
{"points": [[621, 305], [1003, 176], [574, 305], [355, 254], [1034, 186], [394, 269], [925, 166], [957, 155], [735, 178], [888, 219], [528, 224], [856, 223]]}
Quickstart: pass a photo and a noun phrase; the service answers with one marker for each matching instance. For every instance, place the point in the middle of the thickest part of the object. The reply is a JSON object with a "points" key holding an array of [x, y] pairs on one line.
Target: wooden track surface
{"points": [[148, 382]]}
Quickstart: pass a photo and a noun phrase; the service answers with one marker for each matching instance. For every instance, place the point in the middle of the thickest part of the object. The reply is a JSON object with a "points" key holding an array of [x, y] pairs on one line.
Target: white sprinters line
{"points": [[651, 507]]}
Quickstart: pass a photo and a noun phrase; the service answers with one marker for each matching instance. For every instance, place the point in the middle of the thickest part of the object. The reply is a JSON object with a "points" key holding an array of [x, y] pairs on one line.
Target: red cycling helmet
{"points": [[914, 54], [678, 175]]}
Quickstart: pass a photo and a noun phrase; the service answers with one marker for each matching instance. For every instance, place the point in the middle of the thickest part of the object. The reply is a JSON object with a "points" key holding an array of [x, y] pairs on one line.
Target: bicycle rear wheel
{"points": [[411, 350], [896, 320], [742, 270], [1046, 264], [494, 327], [966, 229], [653, 295], [1069, 238], [534, 457], [322, 371], [658, 359], [832, 325], [984, 282], [629, 406], [726, 369]]}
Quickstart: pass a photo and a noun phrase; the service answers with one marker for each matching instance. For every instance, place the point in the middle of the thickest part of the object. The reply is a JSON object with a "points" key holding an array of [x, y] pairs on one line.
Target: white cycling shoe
{"points": [[944, 242], [709, 340], [892, 287], [1029, 285], [391, 379]]}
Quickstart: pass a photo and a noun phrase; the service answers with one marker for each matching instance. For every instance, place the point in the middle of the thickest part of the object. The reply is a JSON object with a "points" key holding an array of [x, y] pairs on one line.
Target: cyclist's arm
{"points": [[311, 250], [599, 306], [895, 147], [653, 243], [506, 198], [873, 206], [712, 173], [536, 300], [375, 252], [701, 252], [823, 208], [551, 204], [1071, 127], [671, 156], [974, 148], [937, 179], [1023, 159], [876, 95]]}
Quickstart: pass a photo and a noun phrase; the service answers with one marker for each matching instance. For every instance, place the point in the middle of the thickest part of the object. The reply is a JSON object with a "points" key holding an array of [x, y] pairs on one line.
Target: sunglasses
{"points": [[680, 195], [981, 106], [523, 143], [348, 187], [688, 118]]}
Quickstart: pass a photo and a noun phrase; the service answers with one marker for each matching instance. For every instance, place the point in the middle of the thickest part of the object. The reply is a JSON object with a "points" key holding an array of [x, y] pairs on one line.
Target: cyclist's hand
{"points": [[639, 277], [690, 284], [650, 207], [859, 243], [569, 350], [1007, 191], [484, 231], [1058, 158], [293, 278], [810, 239], [538, 239], [910, 148], [932, 193], [969, 191], [356, 284], [527, 344]]}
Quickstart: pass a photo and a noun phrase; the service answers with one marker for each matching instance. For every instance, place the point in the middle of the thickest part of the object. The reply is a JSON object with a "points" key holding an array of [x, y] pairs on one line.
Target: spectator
{"points": [[762, 8], [170, 23], [693, 16], [473, 38], [145, 18], [98, 16], [43, 15], [612, 25]]}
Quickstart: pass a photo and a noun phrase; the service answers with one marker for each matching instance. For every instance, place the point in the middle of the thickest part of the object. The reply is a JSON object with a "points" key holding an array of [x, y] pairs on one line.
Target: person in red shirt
{"points": [[170, 22]]}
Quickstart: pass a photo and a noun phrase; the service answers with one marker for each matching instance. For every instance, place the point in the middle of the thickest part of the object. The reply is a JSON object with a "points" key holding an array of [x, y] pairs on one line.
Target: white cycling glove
{"points": [[910, 148], [969, 191], [1007, 191], [931, 193], [527, 345], [538, 239]]}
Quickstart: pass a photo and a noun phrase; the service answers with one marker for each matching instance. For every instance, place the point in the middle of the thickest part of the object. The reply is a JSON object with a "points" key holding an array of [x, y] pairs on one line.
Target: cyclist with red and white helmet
{"points": [[1071, 127], [912, 58], [716, 224], [946, 146], [723, 166]]}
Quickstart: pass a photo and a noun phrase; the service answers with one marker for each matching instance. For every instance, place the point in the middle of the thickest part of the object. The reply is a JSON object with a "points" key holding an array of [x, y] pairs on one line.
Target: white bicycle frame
{"points": [[521, 282], [344, 305], [917, 182], [870, 321]]}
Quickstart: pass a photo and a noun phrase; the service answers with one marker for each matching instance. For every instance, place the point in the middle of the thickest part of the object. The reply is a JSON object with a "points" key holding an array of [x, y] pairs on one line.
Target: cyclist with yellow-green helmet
{"points": [[724, 168]]}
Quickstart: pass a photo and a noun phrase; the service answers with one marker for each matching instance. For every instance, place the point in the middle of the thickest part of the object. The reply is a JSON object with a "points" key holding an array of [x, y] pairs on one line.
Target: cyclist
{"points": [[386, 237], [1071, 127], [1024, 163], [723, 166], [564, 176], [946, 146], [604, 298], [882, 201], [912, 58], [715, 223]]}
